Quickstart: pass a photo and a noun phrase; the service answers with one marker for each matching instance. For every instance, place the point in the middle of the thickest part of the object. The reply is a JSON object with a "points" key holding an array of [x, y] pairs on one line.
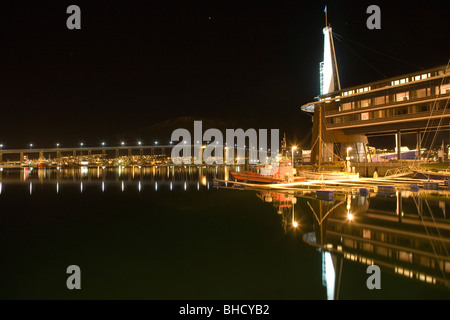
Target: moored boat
{"points": [[282, 172]]}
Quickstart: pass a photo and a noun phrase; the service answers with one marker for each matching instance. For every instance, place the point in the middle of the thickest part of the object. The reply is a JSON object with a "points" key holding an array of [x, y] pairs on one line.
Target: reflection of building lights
{"points": [[350, 216], [295, 224]]}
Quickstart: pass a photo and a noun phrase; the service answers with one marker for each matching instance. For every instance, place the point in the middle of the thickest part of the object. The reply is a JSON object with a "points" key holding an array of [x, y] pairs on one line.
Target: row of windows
{"points": [[393, 83], [413, 78], [398, 97], [385, 113]]}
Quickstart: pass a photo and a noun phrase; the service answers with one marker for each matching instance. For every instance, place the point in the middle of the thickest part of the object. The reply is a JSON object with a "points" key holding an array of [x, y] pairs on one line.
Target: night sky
{"points": [[137, 63]]}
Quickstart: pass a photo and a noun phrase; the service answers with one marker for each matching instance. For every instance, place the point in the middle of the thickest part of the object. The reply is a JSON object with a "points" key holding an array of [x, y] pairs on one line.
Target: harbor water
{"points": [[171, 233]]}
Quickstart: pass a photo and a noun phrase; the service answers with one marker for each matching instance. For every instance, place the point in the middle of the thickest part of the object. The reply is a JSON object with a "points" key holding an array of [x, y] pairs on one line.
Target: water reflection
{"points": [[161, 177], [405, 233], [201, 174]]}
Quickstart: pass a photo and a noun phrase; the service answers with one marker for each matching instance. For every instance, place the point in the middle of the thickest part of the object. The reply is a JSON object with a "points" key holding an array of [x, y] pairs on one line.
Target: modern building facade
{"points": [[343, 118]]}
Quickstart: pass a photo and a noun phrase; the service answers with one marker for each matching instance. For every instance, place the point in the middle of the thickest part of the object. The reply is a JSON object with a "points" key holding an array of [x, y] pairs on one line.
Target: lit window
{"points": [[365, 116], [402, 96], [445, 88], [365, 103], [417, 78], [424, 76]]}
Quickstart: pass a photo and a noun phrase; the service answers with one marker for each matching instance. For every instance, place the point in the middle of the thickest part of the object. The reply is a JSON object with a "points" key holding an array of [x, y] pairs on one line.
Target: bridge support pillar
{"points": [[163, 151], [129, 152], [398, 142], [89, 152], [58, 156], [103, 152], [1, 156], [41, 154], [141, 152], [152, 151], [117, 153], [20, 157]]}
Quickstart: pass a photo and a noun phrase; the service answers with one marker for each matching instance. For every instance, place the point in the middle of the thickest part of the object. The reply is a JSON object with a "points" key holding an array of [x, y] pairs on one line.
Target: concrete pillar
{"points": [[58, 156], [152, 151], [41, 154], [117, 153], [129, 152], [20, 157], [163, 151], [141, 152], [74, 153], [1, 156], [398, 139], [89, 152], [419, 144]]}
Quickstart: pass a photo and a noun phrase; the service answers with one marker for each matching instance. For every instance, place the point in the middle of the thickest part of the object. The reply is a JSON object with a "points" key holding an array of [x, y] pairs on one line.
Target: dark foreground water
{"points": [[166, 233]]}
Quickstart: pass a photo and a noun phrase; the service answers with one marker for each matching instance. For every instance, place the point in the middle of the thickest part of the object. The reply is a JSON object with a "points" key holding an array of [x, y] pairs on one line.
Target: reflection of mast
{"points": [[331, 262], [331, 274]]}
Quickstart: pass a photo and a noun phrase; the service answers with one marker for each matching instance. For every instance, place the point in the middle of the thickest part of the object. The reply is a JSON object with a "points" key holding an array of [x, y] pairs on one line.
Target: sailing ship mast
{"points": [[329, 78]]}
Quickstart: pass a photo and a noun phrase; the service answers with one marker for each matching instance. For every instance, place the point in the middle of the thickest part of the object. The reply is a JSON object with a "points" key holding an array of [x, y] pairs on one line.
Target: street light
{"points": [[81, 144], [31, 145], [103, 144], [293, 149], [139, 142], [156, 142], [1, 145], [57, 145], [122, 143]]}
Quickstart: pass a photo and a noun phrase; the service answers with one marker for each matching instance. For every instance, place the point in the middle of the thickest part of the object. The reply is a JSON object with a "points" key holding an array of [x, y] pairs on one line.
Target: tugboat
{"points": [[282, 171]]}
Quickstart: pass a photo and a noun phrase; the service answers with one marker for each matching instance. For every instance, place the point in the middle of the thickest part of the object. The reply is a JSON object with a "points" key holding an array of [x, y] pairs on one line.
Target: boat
{"points": [[329, 175], [283, 172]]}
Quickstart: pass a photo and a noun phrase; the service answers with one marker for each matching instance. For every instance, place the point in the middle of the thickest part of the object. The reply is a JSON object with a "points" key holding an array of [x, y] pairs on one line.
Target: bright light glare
{"points": [[295, 224], [350, 216]]}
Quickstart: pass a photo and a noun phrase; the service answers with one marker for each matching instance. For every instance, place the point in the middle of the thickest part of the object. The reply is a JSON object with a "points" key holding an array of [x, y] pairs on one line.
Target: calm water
{"points": [[168, 233]]}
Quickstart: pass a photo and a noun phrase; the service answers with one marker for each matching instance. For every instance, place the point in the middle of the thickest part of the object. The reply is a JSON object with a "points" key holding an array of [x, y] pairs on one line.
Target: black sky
{"points": [[136, 63]]}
